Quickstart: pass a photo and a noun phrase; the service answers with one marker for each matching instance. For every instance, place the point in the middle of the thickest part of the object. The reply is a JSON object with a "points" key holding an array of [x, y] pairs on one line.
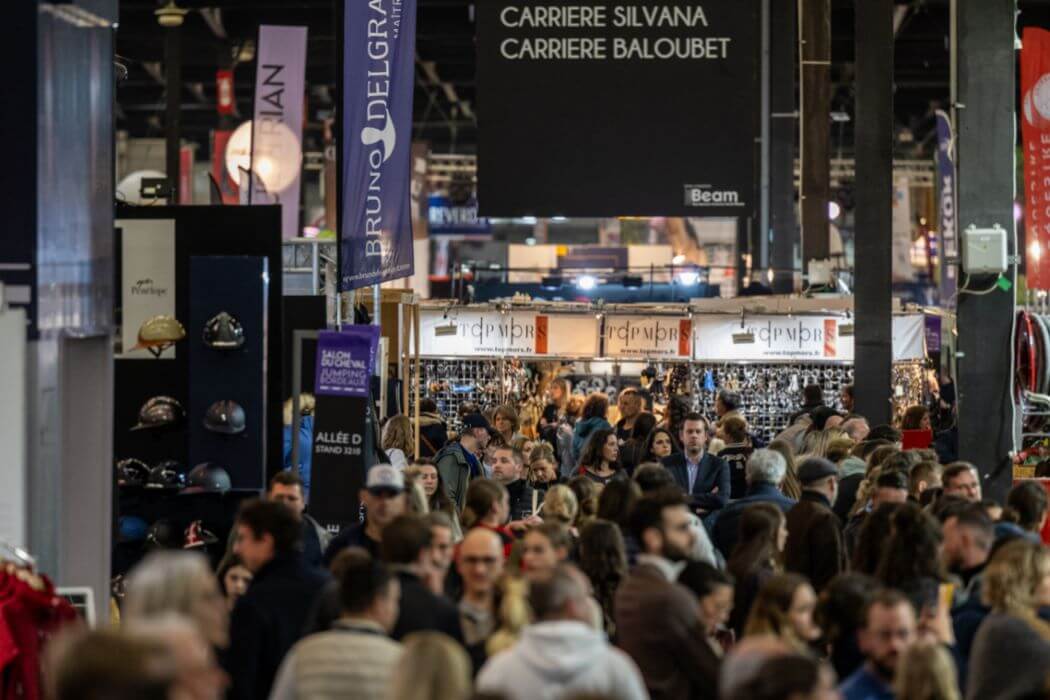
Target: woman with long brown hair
{"points": [[600, 460], [488, 506], [756, 558], [594, 417], [784, 609]]}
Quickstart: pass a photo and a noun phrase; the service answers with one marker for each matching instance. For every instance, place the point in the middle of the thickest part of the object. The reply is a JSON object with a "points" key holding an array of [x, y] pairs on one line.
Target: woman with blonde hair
{"points": [[440, 669], [790, 486], [560, 505], [399, 440], [1016, 584], [178, 582], [926, 672]]}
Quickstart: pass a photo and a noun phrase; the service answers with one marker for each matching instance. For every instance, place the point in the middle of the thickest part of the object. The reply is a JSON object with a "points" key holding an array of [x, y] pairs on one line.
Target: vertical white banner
{"points": [[902, 229], [13, 512], [277, 124], [147, 280]]}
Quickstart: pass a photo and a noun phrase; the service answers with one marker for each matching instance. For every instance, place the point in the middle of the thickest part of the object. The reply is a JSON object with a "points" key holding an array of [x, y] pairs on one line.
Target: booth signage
{"points": [[814, 338], [147, 282], [664, 94], [447, 218], [1035, 132], [342, 441], [375, 223], [648, 336], [518, 333], [279, 87]]}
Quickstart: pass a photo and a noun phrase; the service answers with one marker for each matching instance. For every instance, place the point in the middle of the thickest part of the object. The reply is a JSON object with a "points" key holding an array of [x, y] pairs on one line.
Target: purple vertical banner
{"points": [[345, 361], [933, 334], [948, 249], [375, 225]]}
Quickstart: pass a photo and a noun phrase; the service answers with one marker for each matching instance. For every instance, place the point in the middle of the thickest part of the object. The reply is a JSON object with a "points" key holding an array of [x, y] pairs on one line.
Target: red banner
{"points": [[1035, 130], [224, 101]]}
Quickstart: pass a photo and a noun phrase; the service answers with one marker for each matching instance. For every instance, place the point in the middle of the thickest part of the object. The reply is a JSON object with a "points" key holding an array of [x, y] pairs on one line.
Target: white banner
{"points": [[147, 280], [813, 338], [278, 116], [647, 336], [464, 333], [775, 338], [909, 337]]}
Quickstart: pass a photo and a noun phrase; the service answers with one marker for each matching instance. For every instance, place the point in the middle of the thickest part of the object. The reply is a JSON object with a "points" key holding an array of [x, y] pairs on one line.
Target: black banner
{"points": [[618, 107], [343, 450]]}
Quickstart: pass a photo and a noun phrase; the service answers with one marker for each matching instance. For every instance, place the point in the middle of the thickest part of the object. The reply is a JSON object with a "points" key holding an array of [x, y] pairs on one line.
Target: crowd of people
{"points": [[661, 555]]}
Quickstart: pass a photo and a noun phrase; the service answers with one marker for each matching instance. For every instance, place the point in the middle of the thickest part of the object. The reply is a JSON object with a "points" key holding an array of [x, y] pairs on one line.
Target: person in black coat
{"points": [[704, 477], [406, 550], [269, 618]]}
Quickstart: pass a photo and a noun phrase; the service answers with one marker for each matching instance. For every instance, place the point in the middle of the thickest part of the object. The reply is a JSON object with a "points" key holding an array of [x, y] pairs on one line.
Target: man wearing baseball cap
{"points": [[384, 499], [458, 462], [815, 545]]}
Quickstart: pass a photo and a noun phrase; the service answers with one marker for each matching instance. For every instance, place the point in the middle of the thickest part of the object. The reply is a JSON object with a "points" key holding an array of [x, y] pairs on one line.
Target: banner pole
{"points": [[415, 375]]}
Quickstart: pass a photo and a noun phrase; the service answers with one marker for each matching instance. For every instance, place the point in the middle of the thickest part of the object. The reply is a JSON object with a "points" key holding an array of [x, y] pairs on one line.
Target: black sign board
{"points": [[617, 107]]}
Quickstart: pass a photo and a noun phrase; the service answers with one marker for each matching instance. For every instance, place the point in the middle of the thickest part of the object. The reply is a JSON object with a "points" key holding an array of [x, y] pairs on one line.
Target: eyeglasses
{"points": [[475, 561]]}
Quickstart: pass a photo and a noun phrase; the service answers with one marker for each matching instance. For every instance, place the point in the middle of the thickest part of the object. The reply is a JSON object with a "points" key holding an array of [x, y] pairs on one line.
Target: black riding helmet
{"points": [[207, 478], [225, 417], [223, 332], [132, 472], [159, 412], [166, 476]]}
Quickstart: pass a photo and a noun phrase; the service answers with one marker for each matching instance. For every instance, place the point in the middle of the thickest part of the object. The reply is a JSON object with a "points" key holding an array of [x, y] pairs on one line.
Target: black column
{"points": [[874, 213], [783, 128], [173, 90], [987, 61], [816, 129]]}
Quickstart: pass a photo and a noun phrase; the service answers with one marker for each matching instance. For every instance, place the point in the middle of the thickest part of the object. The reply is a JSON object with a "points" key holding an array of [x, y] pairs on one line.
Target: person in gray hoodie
{"points": [[561, 655]]}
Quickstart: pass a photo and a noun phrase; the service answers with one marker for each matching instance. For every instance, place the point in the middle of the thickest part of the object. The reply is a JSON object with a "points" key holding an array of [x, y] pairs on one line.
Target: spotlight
{"points": [[688, 278], [586, 282], [678, 260], [834, 210]]}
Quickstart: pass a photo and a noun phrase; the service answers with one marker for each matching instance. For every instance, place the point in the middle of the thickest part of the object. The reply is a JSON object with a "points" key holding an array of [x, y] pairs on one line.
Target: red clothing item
{"points": [[28, 620]]}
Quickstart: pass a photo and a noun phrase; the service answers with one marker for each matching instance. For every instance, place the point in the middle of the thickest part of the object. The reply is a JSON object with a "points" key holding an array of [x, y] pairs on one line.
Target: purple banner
{"points": [[345, 360], [948, 250], [933, 334], [375, 224]]}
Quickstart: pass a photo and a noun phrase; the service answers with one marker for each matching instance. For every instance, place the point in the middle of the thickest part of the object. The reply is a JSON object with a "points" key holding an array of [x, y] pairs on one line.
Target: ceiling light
{"points": [[678, 260], [834, 210], [171, 15], [689, 277], [587, 282]]}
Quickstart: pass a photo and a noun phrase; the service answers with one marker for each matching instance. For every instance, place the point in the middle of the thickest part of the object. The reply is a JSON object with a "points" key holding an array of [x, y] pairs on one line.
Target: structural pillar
{"points": [[783, 223], [815, 53], [173, 117], [873, 304], [986, 151]]}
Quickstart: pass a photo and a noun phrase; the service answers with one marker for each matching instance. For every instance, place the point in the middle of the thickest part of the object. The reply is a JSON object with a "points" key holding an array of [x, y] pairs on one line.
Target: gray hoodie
{"points": [[560, 659]]}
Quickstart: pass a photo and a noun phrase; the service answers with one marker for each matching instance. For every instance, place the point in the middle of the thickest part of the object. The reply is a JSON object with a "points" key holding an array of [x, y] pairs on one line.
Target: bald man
{"points": [[480, 565]]}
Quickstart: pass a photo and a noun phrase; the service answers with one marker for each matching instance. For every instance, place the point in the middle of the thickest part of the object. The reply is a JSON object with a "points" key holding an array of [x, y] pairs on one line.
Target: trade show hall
{"points": [[525, 350]]}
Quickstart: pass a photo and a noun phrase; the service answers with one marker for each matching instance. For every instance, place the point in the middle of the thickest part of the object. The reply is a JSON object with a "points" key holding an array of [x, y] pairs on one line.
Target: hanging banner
{"points": [[949, 245], [902, 231], [814, 338], [464, 333], [375, 229], [664, 94], [343, 446], [648, 336], [277, 126], [1035, 132]]}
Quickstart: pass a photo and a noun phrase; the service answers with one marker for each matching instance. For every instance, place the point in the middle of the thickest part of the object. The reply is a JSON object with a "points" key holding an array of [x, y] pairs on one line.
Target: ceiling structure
{"points": [[216, 32]]}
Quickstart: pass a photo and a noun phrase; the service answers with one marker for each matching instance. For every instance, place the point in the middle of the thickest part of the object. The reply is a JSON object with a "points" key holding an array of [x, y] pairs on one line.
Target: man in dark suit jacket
{"points": [[406, 550], [704, 477]]}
